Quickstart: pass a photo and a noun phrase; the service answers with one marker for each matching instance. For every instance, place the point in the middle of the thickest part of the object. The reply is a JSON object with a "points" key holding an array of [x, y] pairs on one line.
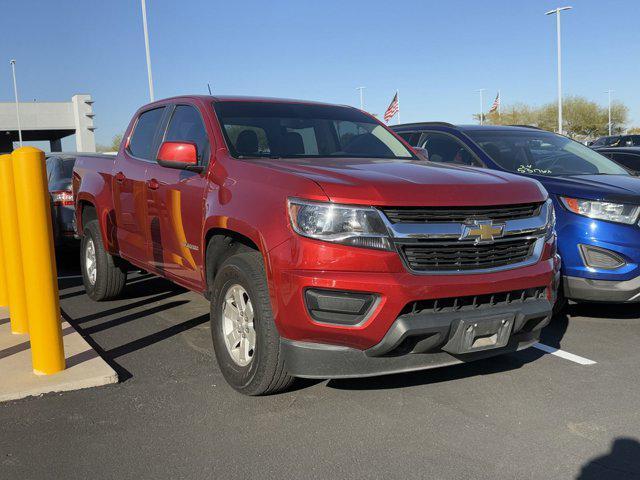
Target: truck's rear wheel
{"points": [[245, 338], [104, 276]]}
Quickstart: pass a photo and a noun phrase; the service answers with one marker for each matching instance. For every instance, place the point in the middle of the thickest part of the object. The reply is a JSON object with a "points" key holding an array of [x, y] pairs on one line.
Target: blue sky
{"points": [[435, 53]]}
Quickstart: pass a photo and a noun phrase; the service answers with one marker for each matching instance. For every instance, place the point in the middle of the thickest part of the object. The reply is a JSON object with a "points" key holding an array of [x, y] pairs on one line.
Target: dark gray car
{"points": [[59, 172]]}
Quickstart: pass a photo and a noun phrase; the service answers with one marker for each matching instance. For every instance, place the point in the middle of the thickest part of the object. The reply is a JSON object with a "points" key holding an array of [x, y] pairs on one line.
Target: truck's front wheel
{"points": [[103, 275], [245, 338]]}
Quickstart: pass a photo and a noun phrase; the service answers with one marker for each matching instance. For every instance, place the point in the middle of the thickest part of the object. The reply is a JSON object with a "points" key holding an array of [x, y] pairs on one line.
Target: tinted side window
{"points": [[186, 126], [50, 165], [67, 167], [141, 143], [445, 148], [627, 160]]}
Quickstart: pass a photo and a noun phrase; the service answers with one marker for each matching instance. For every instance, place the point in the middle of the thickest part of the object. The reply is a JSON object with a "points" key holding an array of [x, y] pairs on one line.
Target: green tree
{"points": [[113, 147], [582, 118]]}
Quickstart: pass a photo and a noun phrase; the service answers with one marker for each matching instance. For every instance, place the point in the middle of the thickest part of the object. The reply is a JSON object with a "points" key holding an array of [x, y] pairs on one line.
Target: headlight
{"points": [[551, 220], [355, 226], [612, 212]]}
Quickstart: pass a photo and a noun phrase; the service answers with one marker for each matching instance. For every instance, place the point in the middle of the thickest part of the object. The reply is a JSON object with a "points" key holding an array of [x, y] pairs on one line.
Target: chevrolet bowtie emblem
{"points": [[482, 230]]}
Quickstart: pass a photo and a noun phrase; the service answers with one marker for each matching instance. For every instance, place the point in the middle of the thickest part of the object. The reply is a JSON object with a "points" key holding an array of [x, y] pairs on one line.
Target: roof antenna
{"points": [[209, 87]]}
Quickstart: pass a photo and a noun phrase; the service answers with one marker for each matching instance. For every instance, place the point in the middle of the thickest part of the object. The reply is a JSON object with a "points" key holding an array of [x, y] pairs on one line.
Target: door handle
{"points": [[153, 184], [120, 178]]}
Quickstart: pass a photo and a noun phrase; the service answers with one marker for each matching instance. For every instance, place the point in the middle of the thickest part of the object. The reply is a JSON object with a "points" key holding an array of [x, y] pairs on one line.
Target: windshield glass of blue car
{"points": [[298, 130], [543, 153]]}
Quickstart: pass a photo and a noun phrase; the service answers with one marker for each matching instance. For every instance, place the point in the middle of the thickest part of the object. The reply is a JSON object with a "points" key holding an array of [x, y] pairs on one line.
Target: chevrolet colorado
{"points": [[326, 247]]}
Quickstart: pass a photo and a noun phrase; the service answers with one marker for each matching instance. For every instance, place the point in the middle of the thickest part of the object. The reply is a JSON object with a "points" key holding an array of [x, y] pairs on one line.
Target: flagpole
{"points": [[398, 97], [480, 91], [499, 103]]}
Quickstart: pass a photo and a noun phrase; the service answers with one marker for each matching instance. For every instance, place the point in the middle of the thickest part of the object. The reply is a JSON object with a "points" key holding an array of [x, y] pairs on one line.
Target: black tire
{"points": [[111, 272], [265, 374]]}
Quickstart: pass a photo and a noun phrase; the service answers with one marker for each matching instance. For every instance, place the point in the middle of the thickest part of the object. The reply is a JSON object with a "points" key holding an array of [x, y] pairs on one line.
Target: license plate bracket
{"points": [[480, 333]]}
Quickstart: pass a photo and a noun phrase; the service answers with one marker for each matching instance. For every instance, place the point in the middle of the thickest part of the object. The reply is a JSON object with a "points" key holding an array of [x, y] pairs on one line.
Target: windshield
{"points": [[270, 129], [542, 153]]}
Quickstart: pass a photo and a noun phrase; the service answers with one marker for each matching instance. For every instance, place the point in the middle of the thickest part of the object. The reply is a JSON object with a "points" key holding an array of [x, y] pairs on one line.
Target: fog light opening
{"points": [[596, 257], [339, 307]]}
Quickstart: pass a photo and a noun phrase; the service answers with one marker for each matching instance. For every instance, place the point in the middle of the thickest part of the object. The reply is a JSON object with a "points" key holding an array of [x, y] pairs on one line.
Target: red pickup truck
{"points": [[326, 246]]}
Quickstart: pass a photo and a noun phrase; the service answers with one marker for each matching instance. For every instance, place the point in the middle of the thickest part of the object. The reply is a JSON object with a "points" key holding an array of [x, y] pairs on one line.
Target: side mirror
{"points": [[422, 153], [179, 155]]}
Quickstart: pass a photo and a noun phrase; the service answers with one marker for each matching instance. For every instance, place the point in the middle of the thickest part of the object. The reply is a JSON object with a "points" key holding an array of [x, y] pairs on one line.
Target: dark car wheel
{"points": [[104, 276], [245, 338]]}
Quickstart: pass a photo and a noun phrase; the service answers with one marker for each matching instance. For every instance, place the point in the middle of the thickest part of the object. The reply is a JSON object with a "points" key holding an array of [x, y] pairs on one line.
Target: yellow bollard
{"points": [[4, 294], [41, 279], [12, 249]]}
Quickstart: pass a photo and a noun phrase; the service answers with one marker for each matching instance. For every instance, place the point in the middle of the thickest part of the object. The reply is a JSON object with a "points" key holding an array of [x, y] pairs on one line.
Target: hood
{"points": [[410, 182], [613, 188]]}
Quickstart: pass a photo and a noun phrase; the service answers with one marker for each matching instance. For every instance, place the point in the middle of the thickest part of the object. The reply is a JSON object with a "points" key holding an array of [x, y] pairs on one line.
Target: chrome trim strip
{"points": [[454, 230]]}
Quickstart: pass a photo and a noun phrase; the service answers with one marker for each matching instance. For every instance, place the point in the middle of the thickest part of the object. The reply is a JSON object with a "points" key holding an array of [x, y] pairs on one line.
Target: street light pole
{"points": [[15, 92], [557, 11], [361, 96], [146, 46], [481, 91], [609, 92]]}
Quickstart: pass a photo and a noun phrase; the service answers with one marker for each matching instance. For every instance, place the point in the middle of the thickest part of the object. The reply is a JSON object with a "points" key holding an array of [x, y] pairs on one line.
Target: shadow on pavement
{"points": [[139, 286], [551, 335], [488, 366], [622, 462], [621, 311]]}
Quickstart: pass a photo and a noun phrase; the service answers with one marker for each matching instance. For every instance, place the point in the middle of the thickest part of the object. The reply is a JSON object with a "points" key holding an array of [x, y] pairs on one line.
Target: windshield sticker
{"points": [[530, 169]]}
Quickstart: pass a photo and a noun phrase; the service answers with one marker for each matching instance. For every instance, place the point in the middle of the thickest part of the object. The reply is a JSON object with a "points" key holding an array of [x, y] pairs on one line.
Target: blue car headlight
{"points": [[609, 211]]}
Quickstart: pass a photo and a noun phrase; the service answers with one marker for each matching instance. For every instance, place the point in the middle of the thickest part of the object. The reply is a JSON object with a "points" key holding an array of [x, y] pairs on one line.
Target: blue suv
{"points": [[597, 202]]}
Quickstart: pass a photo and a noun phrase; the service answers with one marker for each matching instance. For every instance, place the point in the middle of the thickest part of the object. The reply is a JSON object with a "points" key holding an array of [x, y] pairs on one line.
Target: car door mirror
{"points": [[422, 153], [179, 155]]}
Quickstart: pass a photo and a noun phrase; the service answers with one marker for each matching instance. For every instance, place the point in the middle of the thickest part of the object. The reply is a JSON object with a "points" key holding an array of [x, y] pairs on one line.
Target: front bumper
{"points": [[296, 266], [414, 342], [585, 283], [591, 290]]}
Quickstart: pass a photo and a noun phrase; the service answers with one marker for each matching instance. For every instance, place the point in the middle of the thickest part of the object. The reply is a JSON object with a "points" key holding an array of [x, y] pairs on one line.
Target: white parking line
{"points": [[63, 277], [562, 354]]}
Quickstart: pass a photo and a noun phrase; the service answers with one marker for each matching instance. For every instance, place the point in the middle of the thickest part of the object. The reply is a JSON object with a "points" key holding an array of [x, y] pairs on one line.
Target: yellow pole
{"points": [[41, 278], [12, 249], [4, 294]]}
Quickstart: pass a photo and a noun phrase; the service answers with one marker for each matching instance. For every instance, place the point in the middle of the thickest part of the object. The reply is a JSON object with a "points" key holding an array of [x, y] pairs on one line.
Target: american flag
{"points": [[496, 104], [392, 109]]}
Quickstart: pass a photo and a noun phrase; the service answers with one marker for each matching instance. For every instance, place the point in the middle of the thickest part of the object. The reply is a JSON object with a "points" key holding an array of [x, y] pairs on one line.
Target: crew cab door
{"points": [[175, 199], [129, 187]]}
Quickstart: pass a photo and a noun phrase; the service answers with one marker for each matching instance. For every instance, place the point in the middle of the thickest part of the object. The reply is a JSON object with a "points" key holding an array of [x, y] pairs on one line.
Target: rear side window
{"points": [[67, 167], [50, 166], [186, 126], [142, 140], [627, 160], [444, 148]]}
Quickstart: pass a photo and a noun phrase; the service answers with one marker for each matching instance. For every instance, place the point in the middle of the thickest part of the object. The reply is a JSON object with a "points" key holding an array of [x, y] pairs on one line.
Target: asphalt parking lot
{"points": [[523, 415]]}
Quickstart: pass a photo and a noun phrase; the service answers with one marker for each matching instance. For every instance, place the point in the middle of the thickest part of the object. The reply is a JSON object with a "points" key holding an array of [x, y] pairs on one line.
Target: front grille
{"points": [[454, 304], [460, 256], [460, 214]]}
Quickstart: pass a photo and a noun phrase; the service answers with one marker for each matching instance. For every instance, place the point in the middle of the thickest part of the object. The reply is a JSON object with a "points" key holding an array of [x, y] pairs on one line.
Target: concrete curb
{"points": [[85, 368]]}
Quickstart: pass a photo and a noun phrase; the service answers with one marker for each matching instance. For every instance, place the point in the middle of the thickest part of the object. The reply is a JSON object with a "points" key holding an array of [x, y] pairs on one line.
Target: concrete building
{"points": [[49, 121]]}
